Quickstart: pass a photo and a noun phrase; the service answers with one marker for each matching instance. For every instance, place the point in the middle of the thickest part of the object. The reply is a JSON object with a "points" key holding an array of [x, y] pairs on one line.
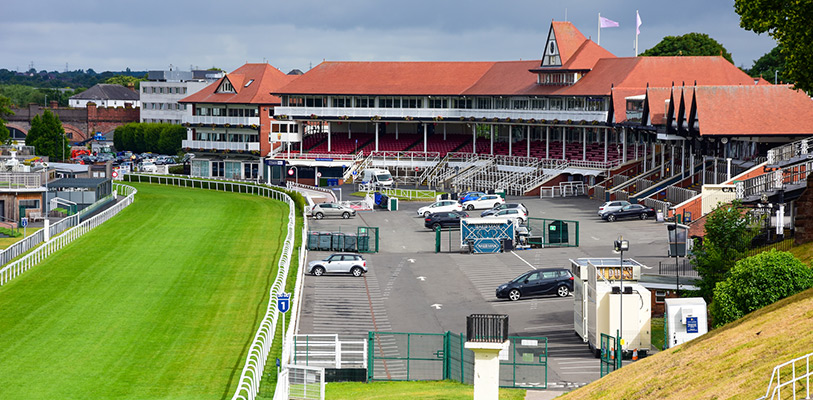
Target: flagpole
{"points": [[599, 30], [636, 33]]}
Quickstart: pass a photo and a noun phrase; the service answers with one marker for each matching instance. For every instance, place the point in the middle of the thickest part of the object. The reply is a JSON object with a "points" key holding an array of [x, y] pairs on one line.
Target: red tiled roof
{"points": [[267, 79], [638, 72], [586, 56], [753, 110], [657, 97], [505, 78], [620, 102], [389, 78], [568, 39]]}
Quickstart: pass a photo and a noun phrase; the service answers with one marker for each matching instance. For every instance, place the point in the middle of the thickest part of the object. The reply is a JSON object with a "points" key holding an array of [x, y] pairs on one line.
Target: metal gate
{"points": [[525, 364], [610, 354], [396, 356], [448, 240]]}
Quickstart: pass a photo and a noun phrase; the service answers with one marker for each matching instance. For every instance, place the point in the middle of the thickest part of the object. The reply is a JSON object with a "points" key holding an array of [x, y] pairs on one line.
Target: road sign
{"points": [[24, 222], [355, 172], [291, 171], [115, 174], [283, 302], [318, 174]]}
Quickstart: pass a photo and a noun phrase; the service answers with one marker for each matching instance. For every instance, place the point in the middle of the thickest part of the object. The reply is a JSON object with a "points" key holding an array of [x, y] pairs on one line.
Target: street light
{"points": [[621, 246], [675, 249]]}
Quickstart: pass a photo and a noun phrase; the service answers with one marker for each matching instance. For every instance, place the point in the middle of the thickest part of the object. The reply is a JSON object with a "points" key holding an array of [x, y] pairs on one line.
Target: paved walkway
{"points": [[543, 394]]}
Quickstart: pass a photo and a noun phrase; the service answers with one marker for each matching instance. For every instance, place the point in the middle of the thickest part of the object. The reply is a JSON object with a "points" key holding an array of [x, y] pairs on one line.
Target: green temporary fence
{"points": [[367, 239], [610, 354], [399, 356], [545, 232]]}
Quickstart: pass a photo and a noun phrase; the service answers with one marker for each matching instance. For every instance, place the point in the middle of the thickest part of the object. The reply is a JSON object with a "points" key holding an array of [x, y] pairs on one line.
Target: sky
{"points": [[154, 35]]}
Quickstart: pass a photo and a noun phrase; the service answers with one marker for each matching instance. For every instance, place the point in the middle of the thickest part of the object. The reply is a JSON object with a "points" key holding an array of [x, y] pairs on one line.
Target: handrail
{"points": [[777, 390]]}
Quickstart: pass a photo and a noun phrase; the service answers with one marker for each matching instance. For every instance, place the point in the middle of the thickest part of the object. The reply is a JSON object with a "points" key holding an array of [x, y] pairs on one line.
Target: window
{"points": [[184, 90], [296, 101], [312, 101], [575, 103], [411, 102], [225, 87], [342, 102], [484, 103], [389, 102], [660, 296], [463, 103], [365, 102], [249, 82], [556, 104], [520, 104], [144, 89], [539, 104], [438, 103]]}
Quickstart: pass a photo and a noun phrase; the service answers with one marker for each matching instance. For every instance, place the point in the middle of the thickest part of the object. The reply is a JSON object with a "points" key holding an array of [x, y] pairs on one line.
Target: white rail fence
{"points": [[33, 258], [330, 351], [252, 373], [795, 386]]}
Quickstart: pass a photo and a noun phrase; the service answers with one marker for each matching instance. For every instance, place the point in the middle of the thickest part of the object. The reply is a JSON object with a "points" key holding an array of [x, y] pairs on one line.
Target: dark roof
{"points": [[77, 183], [105, 91]]}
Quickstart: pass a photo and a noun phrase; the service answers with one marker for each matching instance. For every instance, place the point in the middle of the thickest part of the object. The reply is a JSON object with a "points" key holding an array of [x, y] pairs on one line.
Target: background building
{"points": [[160, 95], [106, 95]]}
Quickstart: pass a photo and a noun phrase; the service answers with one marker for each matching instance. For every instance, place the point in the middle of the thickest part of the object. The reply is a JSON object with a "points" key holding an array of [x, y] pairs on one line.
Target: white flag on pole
{"points": [[638, 23]]}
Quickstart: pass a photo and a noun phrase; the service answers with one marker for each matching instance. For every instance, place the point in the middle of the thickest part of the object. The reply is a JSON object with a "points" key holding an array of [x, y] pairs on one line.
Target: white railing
{"points": [[470, 115], [21, 247], [565, 189], [210, 145], [775, 385], [329, 351], [790, 150], [408, 193], [322, 156], [295, 185], [657, 204], [234, 122], [301, 382], [20, 180], [38, 255]]}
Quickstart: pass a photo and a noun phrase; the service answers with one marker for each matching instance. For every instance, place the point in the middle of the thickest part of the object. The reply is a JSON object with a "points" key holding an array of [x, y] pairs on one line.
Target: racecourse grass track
{"points": [[162, 301]]}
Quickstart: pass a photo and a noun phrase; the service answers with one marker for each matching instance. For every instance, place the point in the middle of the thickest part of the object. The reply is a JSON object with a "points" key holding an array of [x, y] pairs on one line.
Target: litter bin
{"points": [[350, 242], [557, 232], [364, 243], [385, 202], [507, 245], [393, 204], [500, 192], [313, 240], [377, 198], [338, 241], [325, 241]]}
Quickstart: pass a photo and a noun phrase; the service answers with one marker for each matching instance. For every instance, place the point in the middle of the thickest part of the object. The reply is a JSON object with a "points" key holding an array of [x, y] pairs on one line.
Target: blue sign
{"points": [[24, 222], [323, 159], [98, 136], [487, 246], [283, 302], [274, 162], [691, 325]]}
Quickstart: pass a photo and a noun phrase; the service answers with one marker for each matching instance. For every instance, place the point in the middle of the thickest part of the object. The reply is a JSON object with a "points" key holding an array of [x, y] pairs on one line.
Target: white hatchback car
{"points": [[440, 206], [342, 263], [484, 202], [511, 213]]}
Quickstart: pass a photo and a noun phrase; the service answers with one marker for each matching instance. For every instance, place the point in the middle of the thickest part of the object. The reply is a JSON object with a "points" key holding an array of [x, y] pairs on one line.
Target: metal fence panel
{"points": [[526, 363], [305, 382], [544, 232]]}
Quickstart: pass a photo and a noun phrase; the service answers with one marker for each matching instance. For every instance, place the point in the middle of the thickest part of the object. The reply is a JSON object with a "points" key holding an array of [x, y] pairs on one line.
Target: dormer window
{"points": [[225, 87], [249, 83]]}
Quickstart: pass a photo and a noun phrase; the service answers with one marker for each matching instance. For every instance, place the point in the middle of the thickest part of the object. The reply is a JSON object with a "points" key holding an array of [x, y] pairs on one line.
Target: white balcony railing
{"points": [[208, 145], [232, 121], [449, 115]]}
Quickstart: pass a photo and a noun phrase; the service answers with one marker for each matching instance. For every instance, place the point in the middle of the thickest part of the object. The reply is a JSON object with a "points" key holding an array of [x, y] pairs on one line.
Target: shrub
{"points": [[177, 170], [758, 281]]}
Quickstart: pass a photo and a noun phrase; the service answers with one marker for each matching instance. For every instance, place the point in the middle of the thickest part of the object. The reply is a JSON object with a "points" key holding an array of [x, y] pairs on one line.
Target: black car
{"points": [[557, 281], [444, 219], [629, 211]]}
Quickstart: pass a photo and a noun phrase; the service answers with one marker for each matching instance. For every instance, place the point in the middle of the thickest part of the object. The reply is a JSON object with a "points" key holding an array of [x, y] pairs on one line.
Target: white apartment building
{"points": [[161, 93]]}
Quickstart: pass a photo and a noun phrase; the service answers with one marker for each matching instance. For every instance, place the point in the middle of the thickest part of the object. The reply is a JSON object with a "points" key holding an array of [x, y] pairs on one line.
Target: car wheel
{"points": [[319, 215], [318, 271], [470, 207], [611, 218], [426, 214], [496, 205], [345, 215], [435, 226], [514, 294], [562, 291], [644, 216], [356, 271]]}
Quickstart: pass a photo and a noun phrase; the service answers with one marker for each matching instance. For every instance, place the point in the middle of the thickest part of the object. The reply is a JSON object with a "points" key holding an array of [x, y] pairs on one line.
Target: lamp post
{"points": [[675, 249], [621, 246]]}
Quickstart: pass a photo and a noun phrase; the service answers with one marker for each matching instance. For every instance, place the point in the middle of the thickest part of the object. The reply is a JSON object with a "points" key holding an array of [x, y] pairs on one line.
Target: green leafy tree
{"points": [[5, 109], [728, 235], [124, 80], [789, 23], [48, 136], [756, 282], [690, 44], [773, 62], [149, 137], [172, 137]]}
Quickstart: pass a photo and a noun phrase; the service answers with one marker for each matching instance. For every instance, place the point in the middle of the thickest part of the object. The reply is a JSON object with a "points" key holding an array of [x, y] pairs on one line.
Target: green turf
{"points": [[424, 390], [160, 302]]}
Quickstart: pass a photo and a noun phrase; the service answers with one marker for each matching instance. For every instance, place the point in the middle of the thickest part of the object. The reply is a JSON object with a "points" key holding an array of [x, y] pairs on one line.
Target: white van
{"points": [[376, 176]]}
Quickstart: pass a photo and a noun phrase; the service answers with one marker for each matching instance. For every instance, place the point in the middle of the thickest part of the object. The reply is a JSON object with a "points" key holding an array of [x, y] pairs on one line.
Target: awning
{"points": [[583, 171]]}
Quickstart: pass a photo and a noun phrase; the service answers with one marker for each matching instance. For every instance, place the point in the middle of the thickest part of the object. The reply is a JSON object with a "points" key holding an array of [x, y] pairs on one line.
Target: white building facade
{"points": [[160, 95]]}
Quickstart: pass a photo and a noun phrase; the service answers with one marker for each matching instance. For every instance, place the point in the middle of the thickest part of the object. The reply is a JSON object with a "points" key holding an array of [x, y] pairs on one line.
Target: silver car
{"points": [[342, 263], [322, 210], [612, 206]]}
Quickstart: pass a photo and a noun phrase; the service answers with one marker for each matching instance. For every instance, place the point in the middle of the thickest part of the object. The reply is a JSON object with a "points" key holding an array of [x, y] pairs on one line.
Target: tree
{"points": [[690, 44], [773, 62], [789, 23], [124, 80], [728, 235], [5, 109], [48, 136], [756, 282]]}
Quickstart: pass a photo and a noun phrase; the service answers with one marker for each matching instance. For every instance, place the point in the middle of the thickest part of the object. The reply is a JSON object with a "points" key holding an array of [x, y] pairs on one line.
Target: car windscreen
{"points": [[384, 177]]}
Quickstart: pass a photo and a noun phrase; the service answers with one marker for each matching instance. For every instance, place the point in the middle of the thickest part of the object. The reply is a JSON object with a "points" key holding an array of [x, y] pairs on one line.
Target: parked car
{"points": [[485, 201], [341, 263], [505, 206], [557, 281], [513, 213], [322, 210], [612, 206], [629, 211], [467, 196], [444, 219], [440, 206], [147, 166]]}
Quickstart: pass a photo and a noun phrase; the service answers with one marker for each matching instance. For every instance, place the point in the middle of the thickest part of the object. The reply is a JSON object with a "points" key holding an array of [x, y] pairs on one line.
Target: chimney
{"points": [[54, 104], [131, 86]]}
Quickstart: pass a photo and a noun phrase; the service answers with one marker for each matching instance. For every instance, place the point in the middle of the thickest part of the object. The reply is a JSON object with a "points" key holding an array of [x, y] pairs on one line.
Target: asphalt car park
{"points": [[410, 288]]}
